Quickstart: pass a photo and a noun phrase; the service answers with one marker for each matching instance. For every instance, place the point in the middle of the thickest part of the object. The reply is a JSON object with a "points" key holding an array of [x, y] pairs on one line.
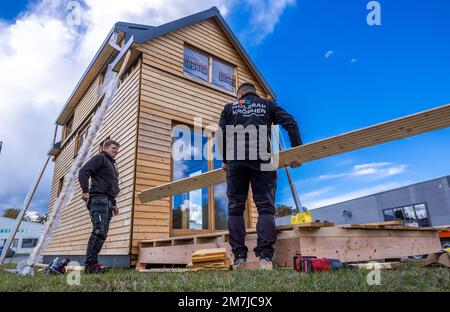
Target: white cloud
{"points": [[353, 61], [42, 57], [265, 14], [374, 170], [329, 53], [316, 193], [313, 204]]}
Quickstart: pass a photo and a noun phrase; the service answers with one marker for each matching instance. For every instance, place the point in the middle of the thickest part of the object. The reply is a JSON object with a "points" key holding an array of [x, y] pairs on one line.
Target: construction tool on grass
{"points": [[57, 266], [304, 216], [314, 264]]}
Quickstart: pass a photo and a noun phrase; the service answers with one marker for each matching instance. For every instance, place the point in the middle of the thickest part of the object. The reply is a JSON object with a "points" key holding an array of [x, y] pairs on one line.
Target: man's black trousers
{"points": [[100, 208], [240, 175]]}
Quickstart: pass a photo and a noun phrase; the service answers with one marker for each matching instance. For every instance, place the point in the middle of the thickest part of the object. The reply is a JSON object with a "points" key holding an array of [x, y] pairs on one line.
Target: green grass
{"points": [[412, 276]]}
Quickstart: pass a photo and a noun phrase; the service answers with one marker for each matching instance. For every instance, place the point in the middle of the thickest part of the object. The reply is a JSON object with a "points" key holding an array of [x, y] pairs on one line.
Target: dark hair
{"points": [[246, 87], [110, 142]]}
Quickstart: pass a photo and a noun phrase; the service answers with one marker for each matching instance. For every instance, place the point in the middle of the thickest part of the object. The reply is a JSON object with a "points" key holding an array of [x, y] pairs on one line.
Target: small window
{"points": [[15, 243], [388, 215], [398, 214], [223, 75], [82, 134], [60, 186], [68, 127], [422, 215], [410, 216], [196, 64], [29, 242]]}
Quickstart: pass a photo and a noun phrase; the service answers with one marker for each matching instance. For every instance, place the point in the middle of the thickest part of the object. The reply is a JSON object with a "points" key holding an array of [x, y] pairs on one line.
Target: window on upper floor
{"points": [[223, 75], [209, 69], [60, 186], [68, 128], [82, 134]]}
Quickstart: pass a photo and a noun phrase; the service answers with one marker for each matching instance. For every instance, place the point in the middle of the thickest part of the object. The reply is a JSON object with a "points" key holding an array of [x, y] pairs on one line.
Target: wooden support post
{"points": [[298, 205]]}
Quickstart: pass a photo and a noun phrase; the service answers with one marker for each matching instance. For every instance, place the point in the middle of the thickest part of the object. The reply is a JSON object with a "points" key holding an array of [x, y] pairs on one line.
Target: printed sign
{"points": [[195, 64], [223, 75]]}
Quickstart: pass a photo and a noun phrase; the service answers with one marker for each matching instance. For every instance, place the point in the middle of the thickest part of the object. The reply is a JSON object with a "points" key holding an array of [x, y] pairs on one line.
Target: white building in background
{"points": [[26, 237]]}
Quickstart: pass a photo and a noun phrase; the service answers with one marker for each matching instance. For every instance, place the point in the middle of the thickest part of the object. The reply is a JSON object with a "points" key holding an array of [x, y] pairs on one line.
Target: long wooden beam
{"points": [[422, 122]]}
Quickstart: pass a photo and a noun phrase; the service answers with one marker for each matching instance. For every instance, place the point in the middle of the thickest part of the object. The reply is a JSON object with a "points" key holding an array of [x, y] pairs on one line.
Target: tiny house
{"points": [[179, 71]]}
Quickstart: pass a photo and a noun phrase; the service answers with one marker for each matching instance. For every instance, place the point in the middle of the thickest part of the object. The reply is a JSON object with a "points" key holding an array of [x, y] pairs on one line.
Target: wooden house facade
{"points": [[179, 71]]}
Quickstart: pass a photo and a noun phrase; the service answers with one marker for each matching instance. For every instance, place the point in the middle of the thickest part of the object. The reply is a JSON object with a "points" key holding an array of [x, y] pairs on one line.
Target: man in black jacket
{"points": [[244, 137], [100, 199]]}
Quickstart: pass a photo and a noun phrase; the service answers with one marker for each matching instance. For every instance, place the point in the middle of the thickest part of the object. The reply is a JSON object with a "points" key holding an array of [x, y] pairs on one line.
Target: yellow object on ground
{"points": [[302, 217]]}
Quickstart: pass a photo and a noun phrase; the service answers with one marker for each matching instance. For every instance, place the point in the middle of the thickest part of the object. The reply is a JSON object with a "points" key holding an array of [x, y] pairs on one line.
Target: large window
{"points": [[415, 215], [200, 65], [200, 209], [190, 210], [220, 202]]}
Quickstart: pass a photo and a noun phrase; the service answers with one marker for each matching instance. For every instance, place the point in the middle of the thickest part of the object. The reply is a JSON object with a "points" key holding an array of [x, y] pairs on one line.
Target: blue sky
{"points": [[400, 68], [334, 73]]}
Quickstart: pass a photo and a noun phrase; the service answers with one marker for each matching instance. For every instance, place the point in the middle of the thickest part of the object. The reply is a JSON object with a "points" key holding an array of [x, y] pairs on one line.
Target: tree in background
{"points": [[282, 210], [11, 213]]}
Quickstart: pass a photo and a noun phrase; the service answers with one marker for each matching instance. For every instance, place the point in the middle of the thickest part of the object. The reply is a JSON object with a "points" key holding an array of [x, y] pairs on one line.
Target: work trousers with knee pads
{"points": [[240, 175], [100, 208]]}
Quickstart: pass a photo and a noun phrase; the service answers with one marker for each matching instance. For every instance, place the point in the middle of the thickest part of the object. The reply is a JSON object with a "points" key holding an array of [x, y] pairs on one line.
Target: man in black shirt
{"points": [[244, 137], [100, 199]]}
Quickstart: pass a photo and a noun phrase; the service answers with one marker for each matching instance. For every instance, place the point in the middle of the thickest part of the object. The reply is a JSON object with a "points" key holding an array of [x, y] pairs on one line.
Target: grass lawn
{"points": [[412, 276]]}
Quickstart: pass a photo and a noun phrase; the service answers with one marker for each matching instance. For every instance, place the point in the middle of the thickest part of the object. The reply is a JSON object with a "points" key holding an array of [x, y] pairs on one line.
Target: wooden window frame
{"points": [[80, 132], [211, 195], [183, 232], [60, 186], [66, 129], [210, 83]]}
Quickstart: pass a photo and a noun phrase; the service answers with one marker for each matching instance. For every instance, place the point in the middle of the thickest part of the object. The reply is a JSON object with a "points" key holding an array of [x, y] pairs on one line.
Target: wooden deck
{"points": [[349, 243]]}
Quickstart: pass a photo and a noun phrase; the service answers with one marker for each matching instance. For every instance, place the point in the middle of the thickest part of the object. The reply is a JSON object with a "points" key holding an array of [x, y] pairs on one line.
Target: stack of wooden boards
{"points": [[210, 259]]}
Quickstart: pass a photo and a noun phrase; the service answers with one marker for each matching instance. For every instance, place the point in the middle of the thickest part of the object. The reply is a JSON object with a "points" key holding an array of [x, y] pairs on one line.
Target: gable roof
{"points": [[138, 33]]}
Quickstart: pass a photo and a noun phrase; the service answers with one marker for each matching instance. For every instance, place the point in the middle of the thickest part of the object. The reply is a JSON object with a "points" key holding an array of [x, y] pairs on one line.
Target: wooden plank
{"points": [[348, 245], [376, 265], [388, 227], [331, 242], [384, 223], [430, 120]]}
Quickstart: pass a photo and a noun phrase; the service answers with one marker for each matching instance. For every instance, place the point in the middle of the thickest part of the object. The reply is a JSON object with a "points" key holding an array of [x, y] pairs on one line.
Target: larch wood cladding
{"points": [[121, 125], [152, 99], [169, 97]]}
